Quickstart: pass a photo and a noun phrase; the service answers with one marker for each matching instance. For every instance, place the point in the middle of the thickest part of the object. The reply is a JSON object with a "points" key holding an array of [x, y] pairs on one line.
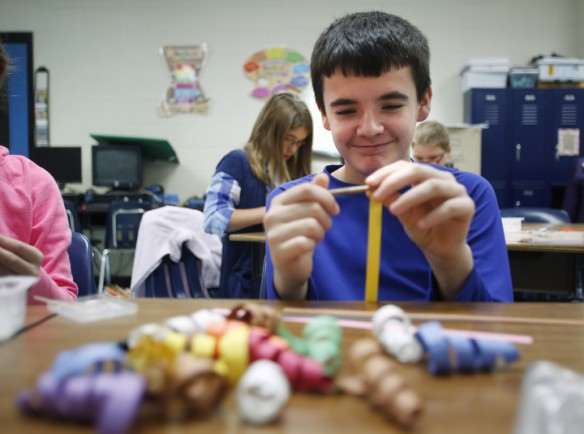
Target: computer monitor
{"points": [[117, 166], [63, 162]]}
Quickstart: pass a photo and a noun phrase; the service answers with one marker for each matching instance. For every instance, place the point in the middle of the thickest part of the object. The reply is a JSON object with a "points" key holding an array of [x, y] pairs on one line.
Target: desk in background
{"points": [[258, 249], [462, 403], [544, 262], [540, 266], [252, 237], [92, 209]]}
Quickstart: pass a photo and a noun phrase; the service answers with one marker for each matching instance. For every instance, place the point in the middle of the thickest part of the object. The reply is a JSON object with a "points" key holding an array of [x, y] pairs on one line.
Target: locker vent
{"points": [[529, 114], [492, 114], [569, 115]]}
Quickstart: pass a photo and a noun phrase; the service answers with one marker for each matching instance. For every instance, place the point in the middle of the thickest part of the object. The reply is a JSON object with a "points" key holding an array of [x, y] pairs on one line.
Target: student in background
{"points": [[431, 143], [442, 236], [278, 150], [34, 232]]}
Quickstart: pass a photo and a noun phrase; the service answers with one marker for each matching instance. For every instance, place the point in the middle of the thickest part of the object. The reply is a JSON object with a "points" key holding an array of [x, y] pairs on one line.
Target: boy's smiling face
{"points": [[372, 119]]}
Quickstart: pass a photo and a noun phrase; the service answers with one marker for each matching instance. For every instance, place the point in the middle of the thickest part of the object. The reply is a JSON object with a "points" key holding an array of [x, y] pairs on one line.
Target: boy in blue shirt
{"points": [[442, 237]]}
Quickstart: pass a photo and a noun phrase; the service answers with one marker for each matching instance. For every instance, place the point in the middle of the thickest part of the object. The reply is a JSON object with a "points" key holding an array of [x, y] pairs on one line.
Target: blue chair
{"points": [[195, 202], [175, 279], [72, 216], [80, 256], [123, 222], [538, 215]]}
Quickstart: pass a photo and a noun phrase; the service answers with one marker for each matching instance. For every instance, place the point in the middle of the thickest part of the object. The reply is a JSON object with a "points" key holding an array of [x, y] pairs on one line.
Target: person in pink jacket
{"points": [[34, 232]]}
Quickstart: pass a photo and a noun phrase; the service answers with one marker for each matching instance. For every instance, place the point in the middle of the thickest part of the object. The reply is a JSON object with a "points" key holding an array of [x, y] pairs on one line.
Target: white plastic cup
{"points": [[512, 224], [512, 228], [13, 291]]}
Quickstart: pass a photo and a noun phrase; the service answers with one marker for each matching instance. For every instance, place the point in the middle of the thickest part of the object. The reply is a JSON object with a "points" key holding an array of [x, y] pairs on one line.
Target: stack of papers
{"points": [[546, 236]]}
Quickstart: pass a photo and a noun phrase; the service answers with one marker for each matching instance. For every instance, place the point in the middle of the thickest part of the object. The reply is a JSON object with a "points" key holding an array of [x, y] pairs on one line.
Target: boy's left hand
{"points": [[436, 212]]}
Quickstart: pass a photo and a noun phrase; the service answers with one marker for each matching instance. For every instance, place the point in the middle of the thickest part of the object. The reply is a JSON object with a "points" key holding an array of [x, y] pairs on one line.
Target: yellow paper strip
{"points": [[373, 251]]}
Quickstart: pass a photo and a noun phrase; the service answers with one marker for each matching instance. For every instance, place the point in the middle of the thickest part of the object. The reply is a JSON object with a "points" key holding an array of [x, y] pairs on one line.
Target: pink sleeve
{"points": [[52, 236]]}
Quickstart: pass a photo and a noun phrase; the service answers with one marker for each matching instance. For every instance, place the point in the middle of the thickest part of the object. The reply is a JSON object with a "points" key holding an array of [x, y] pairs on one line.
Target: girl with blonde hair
{"points": [[279, 149]]}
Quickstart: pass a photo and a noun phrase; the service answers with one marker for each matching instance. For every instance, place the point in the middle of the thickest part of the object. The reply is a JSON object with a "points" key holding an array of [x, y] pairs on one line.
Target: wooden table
{"points": [[475, 403]]}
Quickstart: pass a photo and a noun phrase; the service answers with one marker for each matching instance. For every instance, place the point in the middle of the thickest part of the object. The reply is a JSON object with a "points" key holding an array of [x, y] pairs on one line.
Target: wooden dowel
{"points": [[373, 251], [355, 189], [437, 316]]}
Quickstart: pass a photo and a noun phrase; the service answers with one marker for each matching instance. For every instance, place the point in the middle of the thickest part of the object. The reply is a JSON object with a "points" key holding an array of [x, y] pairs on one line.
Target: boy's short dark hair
{"points": [[369, 44]]}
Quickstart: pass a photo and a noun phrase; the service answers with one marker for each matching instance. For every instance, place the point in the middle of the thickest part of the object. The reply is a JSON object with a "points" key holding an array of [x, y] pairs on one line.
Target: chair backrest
{"points": [[195, 202], [80, 256], [123, 222], [176, 279], [537, 215], [72, 216]]}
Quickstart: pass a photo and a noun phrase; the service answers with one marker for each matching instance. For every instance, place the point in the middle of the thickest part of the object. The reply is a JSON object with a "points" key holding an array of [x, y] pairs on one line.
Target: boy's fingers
{"points": [[395, 177], [316, 191], [305, 228], [297, 211], [457, 207], [434, 190], [321, 179]]}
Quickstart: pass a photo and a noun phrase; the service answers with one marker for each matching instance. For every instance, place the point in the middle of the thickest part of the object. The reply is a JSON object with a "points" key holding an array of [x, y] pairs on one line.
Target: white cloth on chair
{"points": [[162, 232]]}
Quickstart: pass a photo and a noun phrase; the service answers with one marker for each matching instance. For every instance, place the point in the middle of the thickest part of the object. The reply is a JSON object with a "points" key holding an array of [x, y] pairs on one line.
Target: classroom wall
{"points": [[580, 28], [108, 77]]}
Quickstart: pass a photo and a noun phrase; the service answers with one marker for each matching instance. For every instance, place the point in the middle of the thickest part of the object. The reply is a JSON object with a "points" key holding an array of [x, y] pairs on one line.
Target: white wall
{"points": [[580, 34], [108, 77]]}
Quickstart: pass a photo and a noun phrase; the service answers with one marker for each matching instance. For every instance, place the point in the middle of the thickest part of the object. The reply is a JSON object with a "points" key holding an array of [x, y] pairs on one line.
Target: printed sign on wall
{"points": [[275, 70], [184, 95], [568, 142]]}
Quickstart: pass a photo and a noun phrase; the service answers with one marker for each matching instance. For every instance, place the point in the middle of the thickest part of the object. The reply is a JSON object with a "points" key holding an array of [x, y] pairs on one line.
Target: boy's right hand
{"points": [[296, 221]]}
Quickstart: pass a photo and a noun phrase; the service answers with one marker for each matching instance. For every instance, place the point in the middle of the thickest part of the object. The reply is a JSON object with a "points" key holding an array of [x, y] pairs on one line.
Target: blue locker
{"points": [[566, 122], [489, 106], [528, 142]]}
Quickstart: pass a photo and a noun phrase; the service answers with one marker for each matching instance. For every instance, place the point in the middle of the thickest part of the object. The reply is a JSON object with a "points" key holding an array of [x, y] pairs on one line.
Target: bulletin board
{"points": [[276, 70], [184, 94]]}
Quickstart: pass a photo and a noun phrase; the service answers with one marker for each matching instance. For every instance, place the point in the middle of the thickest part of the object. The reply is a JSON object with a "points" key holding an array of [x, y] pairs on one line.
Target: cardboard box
{"points": [[560, 69], [484, 73], [466, 142], [523, 78]]}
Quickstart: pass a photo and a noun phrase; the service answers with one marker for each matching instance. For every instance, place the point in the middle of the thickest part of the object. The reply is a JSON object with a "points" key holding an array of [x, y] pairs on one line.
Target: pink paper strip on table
{"points": [[366, 325]]}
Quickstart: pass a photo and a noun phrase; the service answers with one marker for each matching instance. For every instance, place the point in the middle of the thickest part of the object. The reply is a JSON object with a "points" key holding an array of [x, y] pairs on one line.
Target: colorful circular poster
{"points": [[275, 70]]}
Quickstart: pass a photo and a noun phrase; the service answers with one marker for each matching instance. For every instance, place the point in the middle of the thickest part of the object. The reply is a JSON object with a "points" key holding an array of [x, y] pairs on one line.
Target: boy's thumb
{"points": [[321, 180]]}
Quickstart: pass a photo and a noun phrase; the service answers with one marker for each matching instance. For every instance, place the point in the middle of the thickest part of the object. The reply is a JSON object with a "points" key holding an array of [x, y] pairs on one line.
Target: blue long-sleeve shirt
{"points": [[340, 259]]}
